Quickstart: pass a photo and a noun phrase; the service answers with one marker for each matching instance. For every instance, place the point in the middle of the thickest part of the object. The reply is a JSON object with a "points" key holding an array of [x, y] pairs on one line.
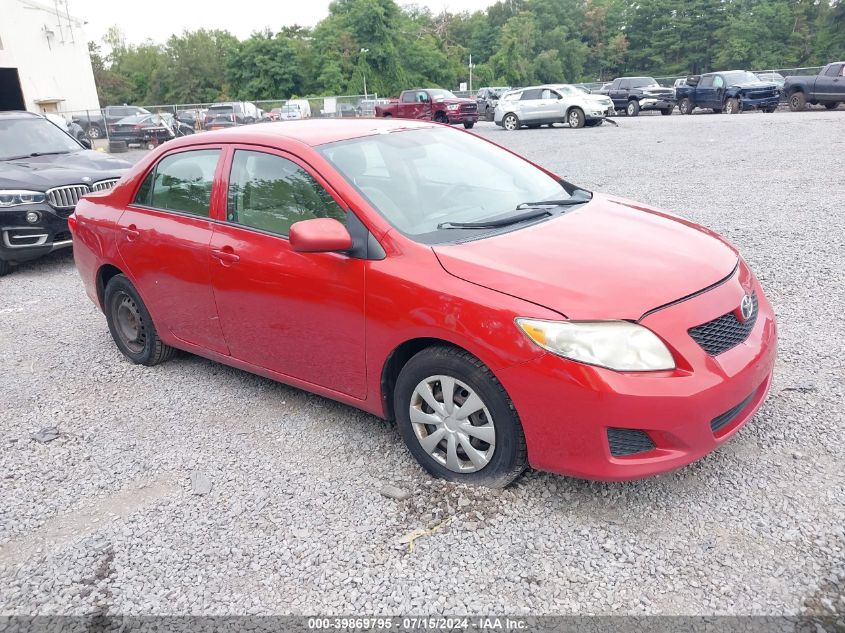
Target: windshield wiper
{"points": [[34, 154], [492, 224], [575, 199]]}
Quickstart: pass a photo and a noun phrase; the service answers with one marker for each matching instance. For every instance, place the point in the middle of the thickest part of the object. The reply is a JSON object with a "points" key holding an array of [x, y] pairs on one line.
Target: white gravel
{"points": [[193, 488]]}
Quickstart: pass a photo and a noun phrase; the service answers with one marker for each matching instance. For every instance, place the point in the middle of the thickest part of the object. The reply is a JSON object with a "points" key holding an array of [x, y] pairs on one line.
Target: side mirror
{"points": [[320, 235], [86, 143]]}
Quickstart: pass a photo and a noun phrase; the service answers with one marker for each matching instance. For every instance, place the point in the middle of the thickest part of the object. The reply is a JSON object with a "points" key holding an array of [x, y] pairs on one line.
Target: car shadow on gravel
{"points": [[51, 262]]}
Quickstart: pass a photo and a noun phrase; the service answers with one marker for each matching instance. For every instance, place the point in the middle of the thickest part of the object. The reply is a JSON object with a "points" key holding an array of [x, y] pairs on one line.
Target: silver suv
{"points": [[553, 103]]}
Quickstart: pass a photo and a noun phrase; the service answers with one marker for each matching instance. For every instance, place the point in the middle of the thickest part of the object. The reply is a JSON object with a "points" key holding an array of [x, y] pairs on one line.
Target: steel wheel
{"points": [[510, 122], [452, 424], [130, 323]]}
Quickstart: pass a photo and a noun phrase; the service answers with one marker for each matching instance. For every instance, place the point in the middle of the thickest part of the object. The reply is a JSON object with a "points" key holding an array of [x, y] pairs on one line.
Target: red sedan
{"points": [[501, 315]]}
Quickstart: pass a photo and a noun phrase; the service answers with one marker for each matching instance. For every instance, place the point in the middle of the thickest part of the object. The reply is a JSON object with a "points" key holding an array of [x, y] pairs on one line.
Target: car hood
{"points": [[44, 172], [607, 259], [595, 97], [754, 85], [454, 101]]}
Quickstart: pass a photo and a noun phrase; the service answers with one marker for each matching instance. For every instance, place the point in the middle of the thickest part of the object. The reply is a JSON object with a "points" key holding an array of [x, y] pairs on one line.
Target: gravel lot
{"points": [[103, 519]]}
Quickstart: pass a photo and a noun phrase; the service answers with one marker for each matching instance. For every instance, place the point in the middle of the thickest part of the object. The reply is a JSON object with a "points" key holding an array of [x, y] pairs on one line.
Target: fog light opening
{"points": [[32, 217]]}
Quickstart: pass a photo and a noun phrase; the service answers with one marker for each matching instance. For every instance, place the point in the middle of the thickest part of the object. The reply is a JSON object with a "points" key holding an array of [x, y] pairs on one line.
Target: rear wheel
{"points": [[633, 108], [93, 132], [510, 122], [666, 111], [732, 106], [131, 325], [576, 118], [468, 124], [457, 420], [5, 267], [831, 105], [797, 101], [770, 110], [685, 106]]}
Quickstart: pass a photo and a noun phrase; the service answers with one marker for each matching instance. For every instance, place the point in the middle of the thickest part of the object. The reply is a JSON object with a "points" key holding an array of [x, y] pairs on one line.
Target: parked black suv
{"points": [[633, 94], [43, 173]]}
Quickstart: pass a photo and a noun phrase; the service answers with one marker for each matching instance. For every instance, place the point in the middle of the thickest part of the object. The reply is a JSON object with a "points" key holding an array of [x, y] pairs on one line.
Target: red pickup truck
{"points": [[431, 105]]}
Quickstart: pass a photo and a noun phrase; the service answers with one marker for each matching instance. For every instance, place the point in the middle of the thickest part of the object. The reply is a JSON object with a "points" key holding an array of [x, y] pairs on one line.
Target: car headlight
{"points": [[15, 197], [618, 345], [453, 106]]}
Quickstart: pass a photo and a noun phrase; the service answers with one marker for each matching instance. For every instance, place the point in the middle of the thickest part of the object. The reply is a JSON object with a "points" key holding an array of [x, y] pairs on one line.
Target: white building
{"points": [[44, 61]]}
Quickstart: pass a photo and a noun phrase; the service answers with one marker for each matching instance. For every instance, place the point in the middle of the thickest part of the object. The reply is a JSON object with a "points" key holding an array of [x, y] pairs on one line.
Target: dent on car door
{"points": [[164, 243], [298, 314]]}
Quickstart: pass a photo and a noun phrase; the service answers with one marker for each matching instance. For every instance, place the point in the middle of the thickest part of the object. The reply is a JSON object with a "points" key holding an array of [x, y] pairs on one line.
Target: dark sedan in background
{"points": [[43, 174], [150, 130]]}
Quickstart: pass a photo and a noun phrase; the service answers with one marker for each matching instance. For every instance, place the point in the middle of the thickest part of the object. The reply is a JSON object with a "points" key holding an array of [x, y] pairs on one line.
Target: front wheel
{"points": [[576, 118], [685, 106], [457, 420], [468, 124], [633, 108], [732, 106], [5, 267], [797, 101], [131, 325], [510, 122]]}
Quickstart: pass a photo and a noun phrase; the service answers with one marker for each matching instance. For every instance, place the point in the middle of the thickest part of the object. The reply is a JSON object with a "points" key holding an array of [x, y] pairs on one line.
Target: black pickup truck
{"points": [[732, 92], [633, 94], [827, 88]]}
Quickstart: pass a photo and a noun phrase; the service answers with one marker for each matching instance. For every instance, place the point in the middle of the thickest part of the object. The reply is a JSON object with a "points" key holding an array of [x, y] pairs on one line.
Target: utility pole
{"points": [[364, 51], [470, 72]]}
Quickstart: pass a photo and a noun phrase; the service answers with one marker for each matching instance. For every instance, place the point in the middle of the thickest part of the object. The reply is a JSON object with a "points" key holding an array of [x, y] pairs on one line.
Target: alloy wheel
{"points": [[510, 122], [452, 424]]}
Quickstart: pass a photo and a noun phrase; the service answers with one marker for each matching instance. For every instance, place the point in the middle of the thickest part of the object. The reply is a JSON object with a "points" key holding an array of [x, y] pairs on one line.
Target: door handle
{"points": [[131, 232], [226, 257]]}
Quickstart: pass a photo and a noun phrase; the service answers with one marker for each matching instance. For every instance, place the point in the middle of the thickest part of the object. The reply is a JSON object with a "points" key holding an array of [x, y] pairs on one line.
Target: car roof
{"points": [[18, 114], [311, 132]]}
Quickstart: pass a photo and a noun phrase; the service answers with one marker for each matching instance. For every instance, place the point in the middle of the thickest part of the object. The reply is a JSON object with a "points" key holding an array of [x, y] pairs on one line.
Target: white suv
{"points": [[550, 104]]}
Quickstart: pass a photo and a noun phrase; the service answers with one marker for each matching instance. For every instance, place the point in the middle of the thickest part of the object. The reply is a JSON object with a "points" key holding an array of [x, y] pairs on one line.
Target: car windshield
{"points": [[215, 110], [21, 138], [739, 77], [568, 90], [421, 180], [290, 108], [134, 119], [642, 82], [441, 94]]}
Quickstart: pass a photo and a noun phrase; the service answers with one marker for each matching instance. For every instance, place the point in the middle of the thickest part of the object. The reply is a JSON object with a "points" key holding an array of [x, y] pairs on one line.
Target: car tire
{"points": [[131, 325], [633, 108], [459, 456], [717, 110], [439, 117], [770, 110], [797, 101], [594, 123], [666, 111], [468, 124], [5, 267], [93, 132], [831, 105], [387, 116], [151, 145], [575, 117], [685, 106], [732, 106], [510, 122]]}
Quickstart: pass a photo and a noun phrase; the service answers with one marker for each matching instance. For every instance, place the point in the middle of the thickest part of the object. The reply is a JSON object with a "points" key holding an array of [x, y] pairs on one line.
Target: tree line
{"points": [[512, 42]]}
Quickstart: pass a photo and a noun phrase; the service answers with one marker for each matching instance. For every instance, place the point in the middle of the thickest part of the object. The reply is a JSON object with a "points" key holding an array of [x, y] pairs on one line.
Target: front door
{"points": [[163, 238], [298, 314]]}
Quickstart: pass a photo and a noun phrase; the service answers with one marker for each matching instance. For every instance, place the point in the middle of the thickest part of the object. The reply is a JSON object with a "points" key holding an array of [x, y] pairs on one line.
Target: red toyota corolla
{"points": [[501, 315]]}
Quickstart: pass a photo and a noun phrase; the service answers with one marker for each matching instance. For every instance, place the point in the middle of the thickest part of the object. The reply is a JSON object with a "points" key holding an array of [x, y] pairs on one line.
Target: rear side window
{"points": [[181, 182], [269, 193], [409, 97], [531, 94]]}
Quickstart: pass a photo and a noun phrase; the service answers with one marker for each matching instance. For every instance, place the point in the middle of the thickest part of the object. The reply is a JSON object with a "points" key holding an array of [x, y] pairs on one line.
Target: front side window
{"points": [[706, 82], [718, 82], [181, 182], [421, 181], [269, 193]]}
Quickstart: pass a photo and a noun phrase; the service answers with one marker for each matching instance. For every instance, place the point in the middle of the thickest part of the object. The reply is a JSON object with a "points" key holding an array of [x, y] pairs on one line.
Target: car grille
{"points": [[64, 198], [762, 94], [726, 332], [104, 185], [628, 442], [469, 107], [721, 421]]}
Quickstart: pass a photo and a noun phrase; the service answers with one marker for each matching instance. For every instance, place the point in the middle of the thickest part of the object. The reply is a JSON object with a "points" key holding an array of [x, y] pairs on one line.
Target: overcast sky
{"points": [[158, 19]]}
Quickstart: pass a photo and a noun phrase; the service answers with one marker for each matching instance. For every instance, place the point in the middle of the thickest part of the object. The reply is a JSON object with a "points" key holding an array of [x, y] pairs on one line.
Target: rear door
{"points": [[619, 93], [705, 92], [552, 106], [298, 314], [530, 105], [164, 238], [830, 84]]}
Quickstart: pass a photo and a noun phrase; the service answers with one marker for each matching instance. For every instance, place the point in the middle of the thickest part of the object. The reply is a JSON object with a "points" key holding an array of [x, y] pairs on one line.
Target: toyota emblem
{"points": [[746, 307]]}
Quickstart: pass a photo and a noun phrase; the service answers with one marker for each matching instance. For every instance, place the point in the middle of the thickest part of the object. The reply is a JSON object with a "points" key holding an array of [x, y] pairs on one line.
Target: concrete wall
{"points": [[50, 51]]}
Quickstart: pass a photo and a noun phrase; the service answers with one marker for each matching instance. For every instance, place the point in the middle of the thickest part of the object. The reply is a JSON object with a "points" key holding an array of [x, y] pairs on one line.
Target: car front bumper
{"points": [[766, 102], [22, 241], [567, 408], [650, 103], [462, 117]]}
